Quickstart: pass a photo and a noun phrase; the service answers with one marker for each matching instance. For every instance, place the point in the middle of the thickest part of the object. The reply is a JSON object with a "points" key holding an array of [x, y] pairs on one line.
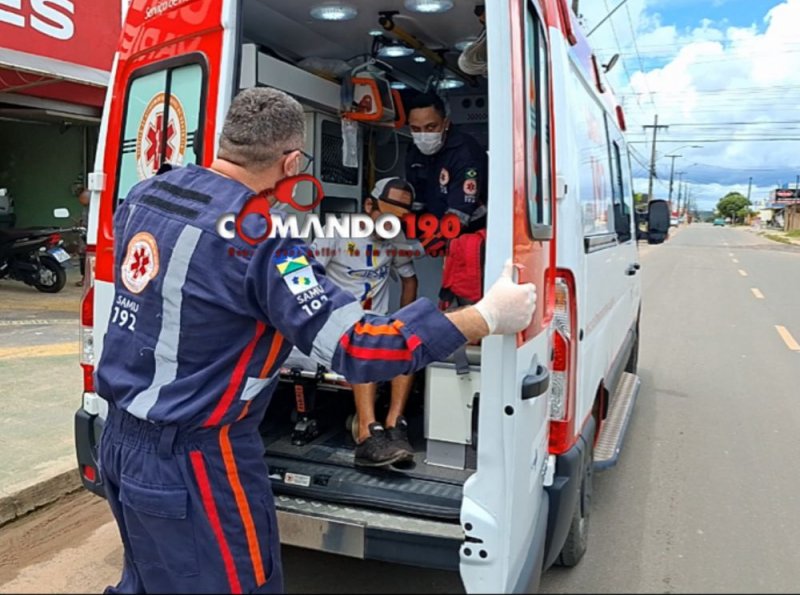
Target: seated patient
{"points": [[362, 266]]}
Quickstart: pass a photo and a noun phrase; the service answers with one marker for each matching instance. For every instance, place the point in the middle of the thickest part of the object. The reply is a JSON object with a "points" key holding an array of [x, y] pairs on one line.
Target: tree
{"points": [[733, 205], [639, 198]]}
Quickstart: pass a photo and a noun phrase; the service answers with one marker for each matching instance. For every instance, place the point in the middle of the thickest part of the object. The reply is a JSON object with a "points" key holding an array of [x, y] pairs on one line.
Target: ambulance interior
{"points": [[304, 47]]}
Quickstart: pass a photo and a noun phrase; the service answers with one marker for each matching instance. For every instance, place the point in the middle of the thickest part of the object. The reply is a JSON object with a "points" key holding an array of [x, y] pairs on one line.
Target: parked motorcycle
{"points": [[36, 256]]}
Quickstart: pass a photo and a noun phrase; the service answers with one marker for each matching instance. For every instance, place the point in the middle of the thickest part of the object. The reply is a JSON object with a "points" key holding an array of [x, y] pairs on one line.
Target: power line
{"points": [[723, 140], [638, 55]]}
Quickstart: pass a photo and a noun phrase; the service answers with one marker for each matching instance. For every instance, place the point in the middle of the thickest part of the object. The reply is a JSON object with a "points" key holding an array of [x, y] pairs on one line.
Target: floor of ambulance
{"points": [[324, 469]]}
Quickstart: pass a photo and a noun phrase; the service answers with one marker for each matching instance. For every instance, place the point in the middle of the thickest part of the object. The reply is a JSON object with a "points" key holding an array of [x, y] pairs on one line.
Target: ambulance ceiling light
{"points": [[399, 85], [448, 84], [429, 6], [376, 32], [420, 59], [334, 11], [395, 51]]}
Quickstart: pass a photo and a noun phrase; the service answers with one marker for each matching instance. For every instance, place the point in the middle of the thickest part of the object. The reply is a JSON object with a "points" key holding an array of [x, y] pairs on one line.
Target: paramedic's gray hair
{"points": [[261, 125]]}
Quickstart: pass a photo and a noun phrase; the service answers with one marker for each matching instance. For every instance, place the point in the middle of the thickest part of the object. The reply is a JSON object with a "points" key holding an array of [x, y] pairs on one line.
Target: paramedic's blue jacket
{"points": [[452, 180], [200, 325]]}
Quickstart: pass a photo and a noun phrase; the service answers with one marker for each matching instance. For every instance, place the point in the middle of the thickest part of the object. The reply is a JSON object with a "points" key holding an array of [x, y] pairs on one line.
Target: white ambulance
{"points": [[501, 486]]}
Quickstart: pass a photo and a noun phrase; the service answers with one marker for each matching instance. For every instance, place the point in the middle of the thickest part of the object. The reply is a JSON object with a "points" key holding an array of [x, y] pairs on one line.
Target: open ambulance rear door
{"points": [[505, 508]]}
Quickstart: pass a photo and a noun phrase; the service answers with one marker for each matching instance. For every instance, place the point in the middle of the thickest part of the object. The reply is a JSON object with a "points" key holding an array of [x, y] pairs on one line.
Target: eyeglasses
{"points": [[305, 159]]}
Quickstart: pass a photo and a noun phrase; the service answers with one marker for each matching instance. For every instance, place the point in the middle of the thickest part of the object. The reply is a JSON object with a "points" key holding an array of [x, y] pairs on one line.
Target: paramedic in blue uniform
{"points": [[447, 167], [200, 323]]}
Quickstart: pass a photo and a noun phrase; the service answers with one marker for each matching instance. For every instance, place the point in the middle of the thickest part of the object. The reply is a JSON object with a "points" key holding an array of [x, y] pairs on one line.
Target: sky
{"points": [[724, 75]]}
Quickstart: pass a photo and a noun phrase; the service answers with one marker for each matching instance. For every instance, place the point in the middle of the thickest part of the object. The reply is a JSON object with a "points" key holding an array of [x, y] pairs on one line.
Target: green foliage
{"points": [[733, 205]]}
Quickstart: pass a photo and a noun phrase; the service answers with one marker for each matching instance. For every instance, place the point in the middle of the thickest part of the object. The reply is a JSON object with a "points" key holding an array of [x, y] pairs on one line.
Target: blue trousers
{"points": [[194, 509]]}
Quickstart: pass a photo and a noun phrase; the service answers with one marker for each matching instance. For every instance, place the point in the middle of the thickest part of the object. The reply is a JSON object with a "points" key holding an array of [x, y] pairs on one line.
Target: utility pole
{"points": [[672, 176], [655, 128], [749, 188], [797, 184]]}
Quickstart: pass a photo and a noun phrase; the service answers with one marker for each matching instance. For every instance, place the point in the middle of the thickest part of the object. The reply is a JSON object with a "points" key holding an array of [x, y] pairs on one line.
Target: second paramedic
{"points": [[447, 167], [362, 266]]}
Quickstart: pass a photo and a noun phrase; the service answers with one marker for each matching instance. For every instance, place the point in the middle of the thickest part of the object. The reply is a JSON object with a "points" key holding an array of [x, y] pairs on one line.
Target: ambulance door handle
{"points": [[535, 385]]}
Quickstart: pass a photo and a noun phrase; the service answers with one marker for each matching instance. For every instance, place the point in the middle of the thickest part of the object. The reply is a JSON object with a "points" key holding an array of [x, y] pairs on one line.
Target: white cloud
{"points": [[699, 80]]}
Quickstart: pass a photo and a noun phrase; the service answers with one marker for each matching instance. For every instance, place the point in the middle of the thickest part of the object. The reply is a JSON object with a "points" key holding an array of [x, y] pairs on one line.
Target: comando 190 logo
{"points": [[387, 226]]}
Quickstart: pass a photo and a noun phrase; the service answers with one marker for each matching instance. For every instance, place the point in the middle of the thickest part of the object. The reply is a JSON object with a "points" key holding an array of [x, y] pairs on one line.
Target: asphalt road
{"points": [[704, 498]]}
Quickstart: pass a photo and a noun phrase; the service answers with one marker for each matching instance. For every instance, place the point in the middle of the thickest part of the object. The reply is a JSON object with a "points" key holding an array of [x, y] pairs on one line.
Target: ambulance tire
{"points": [[56, 276], [577, 538]]}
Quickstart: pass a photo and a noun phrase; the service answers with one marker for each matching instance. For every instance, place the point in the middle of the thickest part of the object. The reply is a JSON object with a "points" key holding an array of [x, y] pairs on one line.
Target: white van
{"points": [[501, 485]]}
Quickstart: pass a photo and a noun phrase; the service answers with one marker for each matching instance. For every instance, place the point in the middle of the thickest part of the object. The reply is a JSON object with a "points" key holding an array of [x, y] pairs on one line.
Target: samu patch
{"points": [[301, 280], [472, 173], [444, 177], [470, 188], [141, 262]]}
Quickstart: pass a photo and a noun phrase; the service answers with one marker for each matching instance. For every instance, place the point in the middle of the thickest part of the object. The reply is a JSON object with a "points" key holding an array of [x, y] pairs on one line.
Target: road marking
{"points": [[787, 338], [36, 322], [743, 273], [731, 254], [736, 261], [757, 293], [48, 350]]}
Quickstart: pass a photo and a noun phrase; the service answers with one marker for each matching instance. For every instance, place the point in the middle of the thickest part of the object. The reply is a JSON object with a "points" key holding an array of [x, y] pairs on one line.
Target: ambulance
{"points": [[508, 438]]}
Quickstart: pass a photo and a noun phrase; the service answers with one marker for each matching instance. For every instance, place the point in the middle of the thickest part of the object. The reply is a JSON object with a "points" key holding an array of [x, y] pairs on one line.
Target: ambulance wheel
{"points": [[577, 538]]}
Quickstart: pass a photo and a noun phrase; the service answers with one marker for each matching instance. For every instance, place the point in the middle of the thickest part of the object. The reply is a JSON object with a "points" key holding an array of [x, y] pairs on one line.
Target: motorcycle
{"points": [[36, 256]]}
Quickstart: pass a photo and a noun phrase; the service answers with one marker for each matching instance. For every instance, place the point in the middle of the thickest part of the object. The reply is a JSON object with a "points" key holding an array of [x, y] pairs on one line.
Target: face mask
{"points": [[428, 143]]}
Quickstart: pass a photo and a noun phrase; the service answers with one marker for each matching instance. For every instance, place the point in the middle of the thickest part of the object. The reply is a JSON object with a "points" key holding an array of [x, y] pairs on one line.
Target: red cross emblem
{"points": [[141, 261], [153, 136]]}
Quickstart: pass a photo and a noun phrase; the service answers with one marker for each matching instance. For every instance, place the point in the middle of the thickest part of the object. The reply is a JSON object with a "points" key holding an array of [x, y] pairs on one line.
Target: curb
{"points": [[41, 494]]}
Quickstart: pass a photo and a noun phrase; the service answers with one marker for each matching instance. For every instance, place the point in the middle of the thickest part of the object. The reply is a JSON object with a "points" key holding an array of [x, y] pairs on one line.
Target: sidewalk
{"points": [[40, 392], [778, 236]]}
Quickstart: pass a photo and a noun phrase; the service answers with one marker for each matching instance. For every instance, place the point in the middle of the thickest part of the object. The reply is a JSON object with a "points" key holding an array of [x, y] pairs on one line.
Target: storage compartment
{"points": [[451, 396]]}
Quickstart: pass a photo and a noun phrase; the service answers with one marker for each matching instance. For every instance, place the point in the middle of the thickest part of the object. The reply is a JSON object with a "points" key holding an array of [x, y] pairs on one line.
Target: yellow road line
{"points": [[757, 293], [787, 338], [743, 273], [39, 350]]}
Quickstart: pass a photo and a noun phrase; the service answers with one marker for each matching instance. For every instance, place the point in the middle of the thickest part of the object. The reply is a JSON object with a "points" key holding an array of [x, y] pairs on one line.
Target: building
{"points": [[55, 59]]}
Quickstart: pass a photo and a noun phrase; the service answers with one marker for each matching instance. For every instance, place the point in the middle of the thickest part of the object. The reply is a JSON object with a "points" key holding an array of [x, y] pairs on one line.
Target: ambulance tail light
{"points": [[87, 323], [562, 385]]}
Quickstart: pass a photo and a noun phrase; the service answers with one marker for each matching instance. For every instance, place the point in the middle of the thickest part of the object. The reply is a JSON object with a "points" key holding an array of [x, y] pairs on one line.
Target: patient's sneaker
{"points": [[378, 450], [398, 435]]}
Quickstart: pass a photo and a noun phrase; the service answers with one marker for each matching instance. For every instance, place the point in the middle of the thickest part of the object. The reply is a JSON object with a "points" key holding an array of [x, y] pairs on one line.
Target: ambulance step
{"points": [[608, 447], [380, 489], [368, 534]]}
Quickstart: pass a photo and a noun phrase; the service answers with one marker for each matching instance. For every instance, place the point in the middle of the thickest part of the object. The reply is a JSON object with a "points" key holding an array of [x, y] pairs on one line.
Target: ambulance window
{"points": [[163, 115], [595, 181], [538, 108], [622, 211]]}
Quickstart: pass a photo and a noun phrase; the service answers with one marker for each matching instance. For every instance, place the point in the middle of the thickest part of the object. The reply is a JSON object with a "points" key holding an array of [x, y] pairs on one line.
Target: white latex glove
{"points": [[507, 307]]}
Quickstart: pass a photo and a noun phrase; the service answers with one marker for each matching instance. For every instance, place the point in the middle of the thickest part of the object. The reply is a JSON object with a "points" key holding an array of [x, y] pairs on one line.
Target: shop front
{"points": [[55, 58]]}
